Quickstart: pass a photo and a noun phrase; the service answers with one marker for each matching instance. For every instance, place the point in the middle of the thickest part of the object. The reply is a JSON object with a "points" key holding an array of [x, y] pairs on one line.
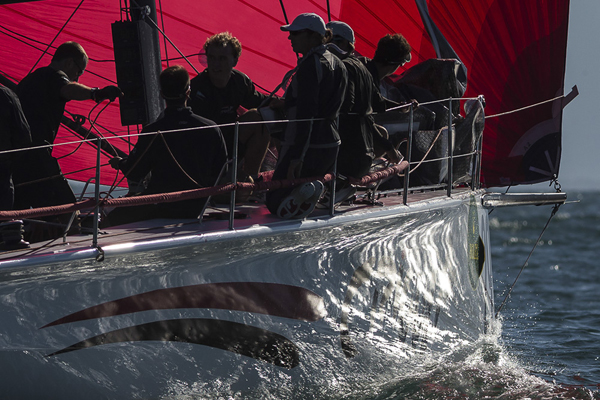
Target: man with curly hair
{"points": [[219, 92]]}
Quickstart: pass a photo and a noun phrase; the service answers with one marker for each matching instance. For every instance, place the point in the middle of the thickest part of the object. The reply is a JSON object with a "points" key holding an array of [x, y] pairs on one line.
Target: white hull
{"points": [[285, 308]]}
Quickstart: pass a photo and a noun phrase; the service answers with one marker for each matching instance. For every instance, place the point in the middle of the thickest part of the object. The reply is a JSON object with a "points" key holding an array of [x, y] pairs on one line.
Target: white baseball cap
{"points": [[341, 29], [308, 21]]}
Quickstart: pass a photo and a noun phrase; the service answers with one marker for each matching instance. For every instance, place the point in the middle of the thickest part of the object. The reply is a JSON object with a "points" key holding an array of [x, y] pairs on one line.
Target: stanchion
{"points": [[408, 154], [450, 138], [234, 174], [97, 193]]}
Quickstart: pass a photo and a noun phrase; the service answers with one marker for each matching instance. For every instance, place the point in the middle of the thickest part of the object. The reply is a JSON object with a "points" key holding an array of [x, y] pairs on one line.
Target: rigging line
{"points": [[115, 184], [552, 214], [15, 34], [173, 44], [108, 194], [526, 107], [432, 102], [323, 9], [167, 59], [99, 134], [88, 141], [134, 164], [287, 22], [84, 169], [177, 162], [108, 131], [428, 150], [55, 37], [328, 12], [162, 22], [46, 146], [85, 136], [8, 77], [92, 126]]}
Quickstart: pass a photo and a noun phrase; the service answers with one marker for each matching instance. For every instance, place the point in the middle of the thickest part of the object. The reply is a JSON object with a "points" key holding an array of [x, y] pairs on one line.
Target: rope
{"points": [[552, 214], [266, 184], [526, 107], [431, 102], [177, 162], [55, 37], [287, 22], [162, 22], [129, 135], [92, 124], [173, 44]]}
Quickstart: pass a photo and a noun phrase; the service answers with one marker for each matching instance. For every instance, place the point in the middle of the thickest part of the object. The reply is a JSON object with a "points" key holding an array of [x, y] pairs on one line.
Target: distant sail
{"points": [[513, 51]]}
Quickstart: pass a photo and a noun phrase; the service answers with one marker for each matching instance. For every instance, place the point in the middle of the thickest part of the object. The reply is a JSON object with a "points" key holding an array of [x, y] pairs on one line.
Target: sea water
{"points": [[551, 321], [546, 344]]}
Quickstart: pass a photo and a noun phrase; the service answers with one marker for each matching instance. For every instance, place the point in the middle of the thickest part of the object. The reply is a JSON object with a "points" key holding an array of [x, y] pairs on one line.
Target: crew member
{"points": [[14, 134], [219, 92], [187, 152], [43, 95], [312, 102]]}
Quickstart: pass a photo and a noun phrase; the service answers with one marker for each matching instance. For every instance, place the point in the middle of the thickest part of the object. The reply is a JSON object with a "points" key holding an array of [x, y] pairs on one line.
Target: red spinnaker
{"points": [[514, 52]]}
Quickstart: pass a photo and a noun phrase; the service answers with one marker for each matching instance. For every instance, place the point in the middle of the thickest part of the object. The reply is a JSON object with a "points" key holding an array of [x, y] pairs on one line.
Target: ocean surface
{"points": [[547, 342]]}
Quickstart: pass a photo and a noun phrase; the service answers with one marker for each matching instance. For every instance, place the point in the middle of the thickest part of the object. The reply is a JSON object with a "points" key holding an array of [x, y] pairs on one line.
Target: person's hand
{"points": [[108, 92], [114, 162], [393, 156], [294, 169]]}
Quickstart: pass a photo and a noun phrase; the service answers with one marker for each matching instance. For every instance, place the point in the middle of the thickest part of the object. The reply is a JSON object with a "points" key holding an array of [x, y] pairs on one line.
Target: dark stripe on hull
{"points": [[246, 340], [264, 298]]}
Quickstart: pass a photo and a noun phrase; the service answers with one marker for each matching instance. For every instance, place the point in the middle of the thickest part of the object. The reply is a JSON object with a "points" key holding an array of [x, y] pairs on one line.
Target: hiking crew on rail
{"points": [[316, 93]]}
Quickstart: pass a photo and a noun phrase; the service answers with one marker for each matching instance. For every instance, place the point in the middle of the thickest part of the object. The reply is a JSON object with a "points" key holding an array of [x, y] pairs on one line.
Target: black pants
{"points": [[39, 182]]}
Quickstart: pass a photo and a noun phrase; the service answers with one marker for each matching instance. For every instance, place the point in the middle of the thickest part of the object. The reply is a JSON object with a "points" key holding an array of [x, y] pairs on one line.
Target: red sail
{"points": [[514, 52]]}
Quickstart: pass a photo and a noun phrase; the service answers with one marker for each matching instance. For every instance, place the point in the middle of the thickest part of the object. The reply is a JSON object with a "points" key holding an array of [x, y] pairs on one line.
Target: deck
{"points": [[215, 221]]}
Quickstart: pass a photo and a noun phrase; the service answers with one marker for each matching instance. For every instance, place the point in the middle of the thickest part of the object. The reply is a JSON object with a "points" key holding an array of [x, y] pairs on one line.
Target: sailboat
{"points": [[238, 302]]}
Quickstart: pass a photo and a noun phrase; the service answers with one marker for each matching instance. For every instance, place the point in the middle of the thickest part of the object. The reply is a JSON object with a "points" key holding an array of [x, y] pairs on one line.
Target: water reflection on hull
{"points": [[302, 313]]}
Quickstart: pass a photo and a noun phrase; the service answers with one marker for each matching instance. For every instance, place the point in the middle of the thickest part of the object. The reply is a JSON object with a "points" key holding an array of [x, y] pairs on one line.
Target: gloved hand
{"points": [[108, 92], [114, 162]]}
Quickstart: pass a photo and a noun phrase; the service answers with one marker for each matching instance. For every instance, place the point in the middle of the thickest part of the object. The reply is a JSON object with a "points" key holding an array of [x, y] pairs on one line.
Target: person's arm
{"points": [[307, 106], [78, 91], [252, 97], [139, 162]]}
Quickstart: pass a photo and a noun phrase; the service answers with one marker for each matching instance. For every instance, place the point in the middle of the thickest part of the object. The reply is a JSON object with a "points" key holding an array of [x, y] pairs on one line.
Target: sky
{"points": [[580, 162]]}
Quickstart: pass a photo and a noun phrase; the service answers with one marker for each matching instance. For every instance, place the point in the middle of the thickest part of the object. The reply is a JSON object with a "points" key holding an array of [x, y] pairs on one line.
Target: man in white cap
{"points": [[312, 102], [341, 31], [358, 131]]}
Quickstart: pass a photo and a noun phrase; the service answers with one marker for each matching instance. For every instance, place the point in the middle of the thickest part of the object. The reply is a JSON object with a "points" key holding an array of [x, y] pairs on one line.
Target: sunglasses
{"points": [[296, 33]]}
